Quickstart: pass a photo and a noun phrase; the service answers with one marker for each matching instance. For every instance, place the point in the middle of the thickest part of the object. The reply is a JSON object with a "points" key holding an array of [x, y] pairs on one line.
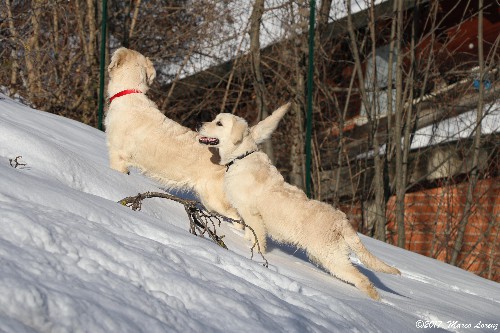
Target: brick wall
{"points": [[432, 217]]}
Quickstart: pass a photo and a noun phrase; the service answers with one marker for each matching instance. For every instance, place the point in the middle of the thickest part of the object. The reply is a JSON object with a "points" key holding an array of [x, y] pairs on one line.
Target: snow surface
{"points": [[74, 260]]}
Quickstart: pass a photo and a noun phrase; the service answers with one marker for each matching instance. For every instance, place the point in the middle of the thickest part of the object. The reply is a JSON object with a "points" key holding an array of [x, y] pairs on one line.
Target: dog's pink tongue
{"points": [[208, 141]]}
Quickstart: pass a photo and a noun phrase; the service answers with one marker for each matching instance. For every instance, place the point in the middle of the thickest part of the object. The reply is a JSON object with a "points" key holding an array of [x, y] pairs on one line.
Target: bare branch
{"points": [[14, 162], [201, 221]]}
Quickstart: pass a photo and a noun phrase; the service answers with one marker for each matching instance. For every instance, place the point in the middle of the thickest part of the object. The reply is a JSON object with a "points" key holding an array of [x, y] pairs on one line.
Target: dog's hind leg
{"points": [[339, 265], [372, 262], [334, 257], [347, 272]]}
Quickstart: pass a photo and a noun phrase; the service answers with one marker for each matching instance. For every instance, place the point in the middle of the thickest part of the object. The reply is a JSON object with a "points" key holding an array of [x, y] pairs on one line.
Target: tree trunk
{"points": [[476, 144], [15, 41], [258, 80], [398, 128], [298, 89], [31, 53], [372, 115], [297, 160], [134, 18], [379, 157], [324, 14]]}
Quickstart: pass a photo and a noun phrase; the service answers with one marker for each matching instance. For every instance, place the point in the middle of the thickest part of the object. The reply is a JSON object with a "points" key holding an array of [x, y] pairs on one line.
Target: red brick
{"points": [[432, 213]]}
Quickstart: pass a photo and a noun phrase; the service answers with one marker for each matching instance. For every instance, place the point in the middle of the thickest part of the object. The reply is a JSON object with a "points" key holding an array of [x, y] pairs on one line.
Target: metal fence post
{"points": [[310, 75], [102, 63]]}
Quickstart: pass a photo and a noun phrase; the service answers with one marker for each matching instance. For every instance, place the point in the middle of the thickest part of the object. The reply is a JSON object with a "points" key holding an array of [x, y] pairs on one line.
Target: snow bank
{"points": [[74, 260]]}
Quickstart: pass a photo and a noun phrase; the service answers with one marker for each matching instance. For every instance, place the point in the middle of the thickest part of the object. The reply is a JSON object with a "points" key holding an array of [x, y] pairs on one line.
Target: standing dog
{"points": [[139, 135], [271, 206]]}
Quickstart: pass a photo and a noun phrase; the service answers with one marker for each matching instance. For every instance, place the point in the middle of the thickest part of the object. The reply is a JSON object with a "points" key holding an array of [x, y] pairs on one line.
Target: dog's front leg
{"points": [[117, 162], [255, 222]]}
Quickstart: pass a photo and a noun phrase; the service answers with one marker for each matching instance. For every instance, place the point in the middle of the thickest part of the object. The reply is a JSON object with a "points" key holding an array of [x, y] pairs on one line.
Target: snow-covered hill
{"points": [[74, 260]]}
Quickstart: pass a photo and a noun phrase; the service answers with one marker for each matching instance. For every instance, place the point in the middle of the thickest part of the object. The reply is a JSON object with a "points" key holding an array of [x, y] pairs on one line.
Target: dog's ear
{"points": [[263, 130], [238, 130], [150, 71], [118, 58]]}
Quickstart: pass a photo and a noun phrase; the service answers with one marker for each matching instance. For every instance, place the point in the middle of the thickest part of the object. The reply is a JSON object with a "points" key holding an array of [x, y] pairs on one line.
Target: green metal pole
{"points": [[310, 74], [102, 63]]}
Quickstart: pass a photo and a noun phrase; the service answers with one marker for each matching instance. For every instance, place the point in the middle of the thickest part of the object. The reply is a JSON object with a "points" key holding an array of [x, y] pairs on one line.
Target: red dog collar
{"points": [[123, 93]]}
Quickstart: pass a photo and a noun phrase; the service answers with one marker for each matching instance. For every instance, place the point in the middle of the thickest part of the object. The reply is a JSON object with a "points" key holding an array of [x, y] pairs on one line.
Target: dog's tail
{"points": [[364, 255], [263, 130]]}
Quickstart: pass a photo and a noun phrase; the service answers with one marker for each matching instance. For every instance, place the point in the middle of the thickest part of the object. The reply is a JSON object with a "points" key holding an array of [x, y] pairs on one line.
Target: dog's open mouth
{"points": [[208, 141]]}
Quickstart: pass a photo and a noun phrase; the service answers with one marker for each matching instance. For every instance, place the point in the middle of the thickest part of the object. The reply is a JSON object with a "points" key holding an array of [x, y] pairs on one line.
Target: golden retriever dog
{"points": [[273, 207], [139, 135]]}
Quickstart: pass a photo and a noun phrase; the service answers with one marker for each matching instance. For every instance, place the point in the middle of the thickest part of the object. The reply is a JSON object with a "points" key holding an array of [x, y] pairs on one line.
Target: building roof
{"points": [[210, 69]]}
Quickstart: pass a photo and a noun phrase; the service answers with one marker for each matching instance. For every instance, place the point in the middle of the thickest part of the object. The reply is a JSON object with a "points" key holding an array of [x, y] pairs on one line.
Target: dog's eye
{"points": [[218, 123]]}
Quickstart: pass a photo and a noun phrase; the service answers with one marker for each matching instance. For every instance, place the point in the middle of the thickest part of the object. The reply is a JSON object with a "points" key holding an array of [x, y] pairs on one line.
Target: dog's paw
{"points": [[370, 290], [394, 270]]}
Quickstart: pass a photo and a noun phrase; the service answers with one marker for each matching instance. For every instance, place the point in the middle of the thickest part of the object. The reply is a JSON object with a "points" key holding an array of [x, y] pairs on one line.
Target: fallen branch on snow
{"points": [[14, 162], [201, 221]]}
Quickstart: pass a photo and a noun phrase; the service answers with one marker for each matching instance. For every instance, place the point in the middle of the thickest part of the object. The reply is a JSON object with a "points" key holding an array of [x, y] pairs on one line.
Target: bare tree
{"points": [[258, 79], [400, 183], [298, 23], [476, 144]]}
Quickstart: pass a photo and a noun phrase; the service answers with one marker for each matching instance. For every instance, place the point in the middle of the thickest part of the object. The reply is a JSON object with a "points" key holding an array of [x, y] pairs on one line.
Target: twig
{"points": [[15, 162], [201, 221], [256, 243]]}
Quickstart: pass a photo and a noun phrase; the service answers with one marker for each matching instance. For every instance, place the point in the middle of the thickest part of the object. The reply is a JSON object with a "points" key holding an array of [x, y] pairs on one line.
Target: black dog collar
{"points": [[238, 158]]}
